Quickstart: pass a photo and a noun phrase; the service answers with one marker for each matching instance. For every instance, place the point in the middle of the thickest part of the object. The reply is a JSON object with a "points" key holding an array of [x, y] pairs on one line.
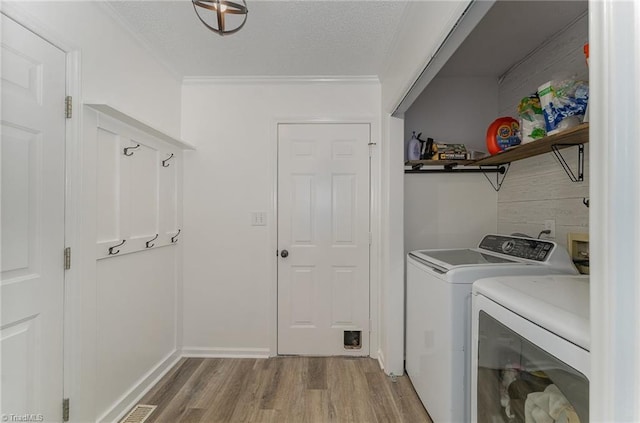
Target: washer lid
{"points": [[558, 303], [459, 257]]}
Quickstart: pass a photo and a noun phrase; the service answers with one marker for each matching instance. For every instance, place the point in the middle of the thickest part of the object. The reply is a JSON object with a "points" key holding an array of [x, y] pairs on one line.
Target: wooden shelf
{"points": [[573, 136], [438, 162]]}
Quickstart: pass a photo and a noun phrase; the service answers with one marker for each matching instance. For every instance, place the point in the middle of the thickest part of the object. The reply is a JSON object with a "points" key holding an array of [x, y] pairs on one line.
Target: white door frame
{"points": [[374, 222], [614, 113], [75, 341]]}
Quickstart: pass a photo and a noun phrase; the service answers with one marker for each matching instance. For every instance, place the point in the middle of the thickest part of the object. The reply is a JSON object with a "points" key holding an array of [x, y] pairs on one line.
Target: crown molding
{"points": [[241, 80], [142, 42]]}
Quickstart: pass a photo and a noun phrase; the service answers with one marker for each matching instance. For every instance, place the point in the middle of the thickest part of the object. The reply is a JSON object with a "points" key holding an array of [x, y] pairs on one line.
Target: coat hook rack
{"points": [[113, 252], [126, 150], [149, 243], [585, 201], [164, 162], [174, 238]]}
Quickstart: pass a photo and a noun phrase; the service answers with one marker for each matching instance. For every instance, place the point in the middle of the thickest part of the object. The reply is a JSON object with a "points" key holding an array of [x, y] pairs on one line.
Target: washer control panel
{"points": [[525, 248]]}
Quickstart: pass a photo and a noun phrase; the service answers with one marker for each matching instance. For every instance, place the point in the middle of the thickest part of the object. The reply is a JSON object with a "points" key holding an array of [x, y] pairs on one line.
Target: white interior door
{"points": [[323, 225], [33, 183]]}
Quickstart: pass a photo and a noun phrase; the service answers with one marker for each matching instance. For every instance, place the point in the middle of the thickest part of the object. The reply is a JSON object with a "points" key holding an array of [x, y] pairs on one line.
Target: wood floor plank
{"points": [[283, 390], [410, 409], [250, 398], [153, 392], [223, 406], [268, 399], [289, 398], [170, 386], [386, 410], [316, 406], [364, 410], [197, 385], [219, 376], [316, 373], [193, 415], [180, 408], [266, 416], [343, 382]]}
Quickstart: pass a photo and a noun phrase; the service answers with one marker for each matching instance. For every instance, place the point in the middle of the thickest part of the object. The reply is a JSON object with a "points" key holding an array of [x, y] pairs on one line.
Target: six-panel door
{"points": [[323, 223]]}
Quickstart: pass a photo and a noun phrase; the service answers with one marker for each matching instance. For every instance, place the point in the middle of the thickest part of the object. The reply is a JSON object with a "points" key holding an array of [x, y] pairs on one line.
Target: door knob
{"points": [[284, 253]]}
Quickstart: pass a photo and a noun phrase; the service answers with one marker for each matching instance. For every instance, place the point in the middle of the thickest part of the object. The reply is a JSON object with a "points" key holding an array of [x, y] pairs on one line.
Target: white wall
{"points": [[451, 210], [229, 265], [447, 210], [454, 110], [425, 26], [136, 315], [392, 267], [104, 337], [116, 69], [537, 189], [560, 56]]}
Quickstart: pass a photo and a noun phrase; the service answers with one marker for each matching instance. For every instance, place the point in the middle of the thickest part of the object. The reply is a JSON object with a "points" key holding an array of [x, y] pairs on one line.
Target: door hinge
{"points": [[67, 258], [371, 147], [68, 106], [65, 410]]}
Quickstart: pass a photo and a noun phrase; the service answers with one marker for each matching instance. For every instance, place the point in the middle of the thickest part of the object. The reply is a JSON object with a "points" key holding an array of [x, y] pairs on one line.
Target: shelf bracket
{"points": [[453, 169], [501, 173], [567, 169]]}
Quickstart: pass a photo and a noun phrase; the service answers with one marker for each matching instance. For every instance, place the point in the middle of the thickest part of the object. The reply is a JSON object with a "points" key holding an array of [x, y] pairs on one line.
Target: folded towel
{"points": [[550, 406]]}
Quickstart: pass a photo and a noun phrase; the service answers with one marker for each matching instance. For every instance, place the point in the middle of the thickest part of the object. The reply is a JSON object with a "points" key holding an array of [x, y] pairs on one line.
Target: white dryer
{"points": [[438, 312], [530, 359]]}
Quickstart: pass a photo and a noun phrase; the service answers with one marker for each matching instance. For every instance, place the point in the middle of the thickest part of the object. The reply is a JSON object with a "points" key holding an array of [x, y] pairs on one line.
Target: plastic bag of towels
{"points": [[564, 103]]}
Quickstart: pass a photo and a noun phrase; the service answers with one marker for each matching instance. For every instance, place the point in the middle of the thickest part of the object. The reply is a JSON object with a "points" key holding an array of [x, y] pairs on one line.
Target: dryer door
{"points": [[518, 379]]}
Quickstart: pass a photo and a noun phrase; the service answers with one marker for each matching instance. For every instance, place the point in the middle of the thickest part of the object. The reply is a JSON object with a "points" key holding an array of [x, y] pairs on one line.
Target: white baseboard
{"points": [[226, 352], [146, 382], [381, 359]]}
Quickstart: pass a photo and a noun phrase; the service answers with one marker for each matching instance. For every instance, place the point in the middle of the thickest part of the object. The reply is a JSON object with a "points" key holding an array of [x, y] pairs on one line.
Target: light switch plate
{"points": [[259, 218]]}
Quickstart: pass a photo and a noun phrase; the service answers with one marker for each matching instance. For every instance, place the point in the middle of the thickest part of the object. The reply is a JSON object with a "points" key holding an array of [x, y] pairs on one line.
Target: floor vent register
{"points": [[139, 414]]}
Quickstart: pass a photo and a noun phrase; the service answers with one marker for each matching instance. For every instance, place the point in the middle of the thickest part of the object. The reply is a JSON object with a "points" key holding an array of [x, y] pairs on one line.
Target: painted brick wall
{"points": [[537, 188]]}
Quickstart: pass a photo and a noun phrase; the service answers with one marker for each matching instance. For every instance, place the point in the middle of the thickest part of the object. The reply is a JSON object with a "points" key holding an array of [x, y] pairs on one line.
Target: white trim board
{"points": [[221, 352], [138, 124], [240, 80], [381, 359], [119, 408]]}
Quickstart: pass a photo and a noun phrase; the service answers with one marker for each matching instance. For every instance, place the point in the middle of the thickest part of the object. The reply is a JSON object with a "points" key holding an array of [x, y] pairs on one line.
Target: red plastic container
{"points": [[502, 134]]}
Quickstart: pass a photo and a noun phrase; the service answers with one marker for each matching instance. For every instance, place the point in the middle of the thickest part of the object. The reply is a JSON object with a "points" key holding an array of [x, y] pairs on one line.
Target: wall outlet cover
{"points": [[550, 225]]}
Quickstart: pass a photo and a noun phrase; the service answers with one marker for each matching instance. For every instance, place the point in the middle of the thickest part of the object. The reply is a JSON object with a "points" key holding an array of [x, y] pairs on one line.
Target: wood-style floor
{"points": [[283, 389]]}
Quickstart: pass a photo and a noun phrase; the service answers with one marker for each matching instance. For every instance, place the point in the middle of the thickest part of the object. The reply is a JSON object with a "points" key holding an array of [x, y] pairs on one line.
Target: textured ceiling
{"points": [[280, 38]]}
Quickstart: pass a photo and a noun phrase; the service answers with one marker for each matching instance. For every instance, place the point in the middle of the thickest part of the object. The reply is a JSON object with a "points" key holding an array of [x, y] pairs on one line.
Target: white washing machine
{"points": [[530, 360], [438, 312]]}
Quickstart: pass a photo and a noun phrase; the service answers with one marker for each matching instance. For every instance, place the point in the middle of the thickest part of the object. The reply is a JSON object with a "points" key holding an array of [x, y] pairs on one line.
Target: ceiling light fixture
{"points": [[222, 8]]}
